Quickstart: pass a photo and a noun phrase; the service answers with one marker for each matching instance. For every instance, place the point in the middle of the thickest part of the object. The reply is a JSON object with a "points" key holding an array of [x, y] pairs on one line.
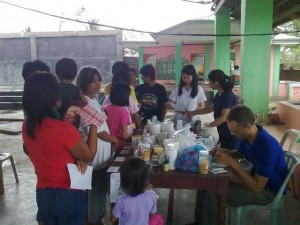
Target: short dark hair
{"points": [[41, 91], [119, 66], [119, 94], [236, 67], [121, 76], [219, 76], [131, 69], [66, 68], [36, 65], [85, 77], [134, 175], [242, 115], [148, 71]]}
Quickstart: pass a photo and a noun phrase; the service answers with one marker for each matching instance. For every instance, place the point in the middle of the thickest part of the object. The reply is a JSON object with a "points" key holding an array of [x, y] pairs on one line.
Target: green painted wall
{"points": [[257, 16], [222, 44], [141, 62], [276, 70], [207, 60], [178, 61]]}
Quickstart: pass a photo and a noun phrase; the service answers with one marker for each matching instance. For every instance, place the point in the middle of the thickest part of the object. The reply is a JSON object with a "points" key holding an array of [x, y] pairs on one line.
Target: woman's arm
{"points": [[221, 119], [124, 133], [113, 219], [103, 135], [86, 151], [136, 119], [206, 110]]}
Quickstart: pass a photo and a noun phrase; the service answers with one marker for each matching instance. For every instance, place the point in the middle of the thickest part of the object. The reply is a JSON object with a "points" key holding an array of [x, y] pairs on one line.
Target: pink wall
{"points": [[187, 50], [161, 52]]}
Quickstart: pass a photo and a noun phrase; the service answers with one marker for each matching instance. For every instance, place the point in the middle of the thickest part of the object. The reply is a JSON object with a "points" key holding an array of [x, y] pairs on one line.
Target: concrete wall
{"points": [[97, 48]]}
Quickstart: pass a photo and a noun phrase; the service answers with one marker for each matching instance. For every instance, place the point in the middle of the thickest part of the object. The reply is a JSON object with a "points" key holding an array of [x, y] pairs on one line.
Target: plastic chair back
{"points": [[293, 136]]}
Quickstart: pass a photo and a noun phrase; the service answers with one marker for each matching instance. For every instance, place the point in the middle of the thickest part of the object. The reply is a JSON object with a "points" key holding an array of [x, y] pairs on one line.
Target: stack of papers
{"points": [[218, 170]]}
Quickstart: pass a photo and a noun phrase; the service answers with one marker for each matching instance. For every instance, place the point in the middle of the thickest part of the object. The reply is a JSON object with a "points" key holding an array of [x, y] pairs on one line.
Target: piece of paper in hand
{"points": [[78, 180]]}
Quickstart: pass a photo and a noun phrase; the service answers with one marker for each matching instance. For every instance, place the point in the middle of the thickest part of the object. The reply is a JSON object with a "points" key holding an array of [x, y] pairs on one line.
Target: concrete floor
{"points": [[18, 205]]}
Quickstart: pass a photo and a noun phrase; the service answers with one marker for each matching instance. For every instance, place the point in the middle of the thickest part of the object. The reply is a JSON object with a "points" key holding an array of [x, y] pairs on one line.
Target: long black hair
{"points": [[134, 176], [219, 76], [41, 92], [189, 70]]}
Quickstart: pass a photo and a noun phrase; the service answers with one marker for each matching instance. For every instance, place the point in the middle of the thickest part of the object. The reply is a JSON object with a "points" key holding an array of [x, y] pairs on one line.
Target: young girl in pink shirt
{"points": [[118, 116]]}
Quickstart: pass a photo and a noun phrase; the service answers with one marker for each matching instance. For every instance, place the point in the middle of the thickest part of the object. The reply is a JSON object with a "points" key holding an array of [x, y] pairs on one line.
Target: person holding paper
{"points": [[89, 81], [51, 145]]}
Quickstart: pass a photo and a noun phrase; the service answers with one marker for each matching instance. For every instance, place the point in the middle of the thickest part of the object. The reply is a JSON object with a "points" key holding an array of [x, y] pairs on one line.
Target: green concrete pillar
{"points": [[178, 61], [141, 63], [207, 60], [256, 17], [222, 44], [276, 70]]}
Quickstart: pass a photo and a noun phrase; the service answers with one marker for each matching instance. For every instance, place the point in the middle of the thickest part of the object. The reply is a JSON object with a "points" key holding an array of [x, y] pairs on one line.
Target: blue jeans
{"points": [[97, 196], [57, 206]]}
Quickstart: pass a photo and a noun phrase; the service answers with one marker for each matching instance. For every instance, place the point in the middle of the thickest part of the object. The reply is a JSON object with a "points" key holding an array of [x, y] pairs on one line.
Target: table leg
{"points": [[222, 209], [170, 207], [222, 197]]}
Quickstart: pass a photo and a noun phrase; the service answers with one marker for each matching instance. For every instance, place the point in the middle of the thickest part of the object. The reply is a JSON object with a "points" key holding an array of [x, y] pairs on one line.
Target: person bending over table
{"points": [[267, 175], [223, 101]]}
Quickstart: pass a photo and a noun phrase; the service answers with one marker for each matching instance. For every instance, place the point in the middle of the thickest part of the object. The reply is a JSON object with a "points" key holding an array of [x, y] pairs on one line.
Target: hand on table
{"points": [[221, 157]]}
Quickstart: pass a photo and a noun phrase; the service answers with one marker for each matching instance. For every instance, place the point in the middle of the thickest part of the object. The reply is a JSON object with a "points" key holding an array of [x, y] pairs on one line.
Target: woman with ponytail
{"points": [[223, 101]]}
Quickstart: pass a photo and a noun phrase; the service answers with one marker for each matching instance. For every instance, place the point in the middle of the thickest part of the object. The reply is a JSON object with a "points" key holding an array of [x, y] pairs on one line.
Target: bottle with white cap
{"points": [[171, 152]]}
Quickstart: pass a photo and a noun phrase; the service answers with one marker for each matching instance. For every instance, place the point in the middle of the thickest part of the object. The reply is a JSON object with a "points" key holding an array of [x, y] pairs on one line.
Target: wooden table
{"points": [[218, 183], [180, 180]]}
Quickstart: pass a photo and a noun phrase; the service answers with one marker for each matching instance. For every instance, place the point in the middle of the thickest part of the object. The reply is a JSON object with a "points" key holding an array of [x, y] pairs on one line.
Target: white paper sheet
{"points": [[218, 170], [113, 169], [114, 187], [78, 180], [125, 152], [219, 165], [120, 159]]}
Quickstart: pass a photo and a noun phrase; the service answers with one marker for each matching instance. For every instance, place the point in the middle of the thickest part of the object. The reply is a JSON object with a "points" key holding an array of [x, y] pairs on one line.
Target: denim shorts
{"points": [[57, 206]]}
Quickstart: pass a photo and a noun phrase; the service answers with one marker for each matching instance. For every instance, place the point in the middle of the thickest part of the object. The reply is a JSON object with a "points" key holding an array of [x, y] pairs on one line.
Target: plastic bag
{"points": [[188, 159]]}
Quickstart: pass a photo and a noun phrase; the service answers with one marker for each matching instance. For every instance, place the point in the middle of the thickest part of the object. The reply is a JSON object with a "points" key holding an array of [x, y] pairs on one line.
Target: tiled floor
{"points": [[18, 206]]}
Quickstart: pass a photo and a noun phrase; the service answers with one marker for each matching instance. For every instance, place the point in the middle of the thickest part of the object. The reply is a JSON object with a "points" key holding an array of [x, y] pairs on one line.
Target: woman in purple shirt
{"points": [[138, 205]]}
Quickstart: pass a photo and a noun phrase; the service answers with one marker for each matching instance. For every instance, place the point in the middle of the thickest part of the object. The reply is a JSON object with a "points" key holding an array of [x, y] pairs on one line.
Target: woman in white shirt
{"points": [[188, 95]]}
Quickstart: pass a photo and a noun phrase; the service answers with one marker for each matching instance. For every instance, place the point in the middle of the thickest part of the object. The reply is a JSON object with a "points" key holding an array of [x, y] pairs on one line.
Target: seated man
{"points": [[268, 172]]}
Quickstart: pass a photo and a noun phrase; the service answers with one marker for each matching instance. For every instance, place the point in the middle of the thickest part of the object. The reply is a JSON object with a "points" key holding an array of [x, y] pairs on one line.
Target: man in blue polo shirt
{"points": [[268, 172]]}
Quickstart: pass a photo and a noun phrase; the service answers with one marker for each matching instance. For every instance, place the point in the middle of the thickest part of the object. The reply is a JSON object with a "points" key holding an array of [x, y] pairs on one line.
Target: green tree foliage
{"points": [[290, 55]]}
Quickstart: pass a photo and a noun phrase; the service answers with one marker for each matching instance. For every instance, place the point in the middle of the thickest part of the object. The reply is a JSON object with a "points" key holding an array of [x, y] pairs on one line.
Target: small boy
{"points": [[66, 71]]}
